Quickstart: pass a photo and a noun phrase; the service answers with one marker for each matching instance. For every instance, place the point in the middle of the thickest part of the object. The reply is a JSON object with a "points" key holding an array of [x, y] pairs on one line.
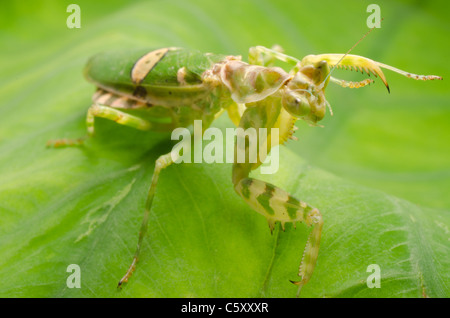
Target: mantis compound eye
{"points": [[296, 104], [321, 71]]}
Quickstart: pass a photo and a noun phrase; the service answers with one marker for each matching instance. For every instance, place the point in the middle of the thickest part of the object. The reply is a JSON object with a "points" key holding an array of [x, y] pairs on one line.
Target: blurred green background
{"points": [[379, 169]]}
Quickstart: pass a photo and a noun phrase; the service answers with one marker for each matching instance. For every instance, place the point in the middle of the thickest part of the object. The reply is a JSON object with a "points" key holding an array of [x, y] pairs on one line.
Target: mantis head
{"points": [[304, 95]]}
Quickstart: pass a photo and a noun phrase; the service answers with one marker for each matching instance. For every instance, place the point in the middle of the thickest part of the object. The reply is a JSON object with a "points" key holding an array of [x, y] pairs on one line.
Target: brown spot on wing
{"points": [[140, 92]]}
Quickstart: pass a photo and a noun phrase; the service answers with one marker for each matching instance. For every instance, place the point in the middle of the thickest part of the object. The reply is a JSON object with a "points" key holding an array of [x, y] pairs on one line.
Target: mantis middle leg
{"points": [[274, 203]]}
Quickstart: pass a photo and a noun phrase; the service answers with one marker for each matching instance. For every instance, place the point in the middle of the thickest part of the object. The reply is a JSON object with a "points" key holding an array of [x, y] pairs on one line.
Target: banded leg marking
{"points": [[278, 205], [116, 115], [106, 112]]}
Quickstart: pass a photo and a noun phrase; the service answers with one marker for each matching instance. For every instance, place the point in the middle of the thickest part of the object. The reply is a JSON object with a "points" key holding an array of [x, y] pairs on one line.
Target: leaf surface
{"points": [[378, 170]]}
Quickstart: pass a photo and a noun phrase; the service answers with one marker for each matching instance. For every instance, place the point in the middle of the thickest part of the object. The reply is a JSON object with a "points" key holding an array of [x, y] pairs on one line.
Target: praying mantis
{"points": [[176, 86]]}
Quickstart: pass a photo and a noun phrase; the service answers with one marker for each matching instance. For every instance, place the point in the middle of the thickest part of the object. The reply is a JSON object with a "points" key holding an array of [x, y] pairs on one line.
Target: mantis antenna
{"points": [[354, 45]]}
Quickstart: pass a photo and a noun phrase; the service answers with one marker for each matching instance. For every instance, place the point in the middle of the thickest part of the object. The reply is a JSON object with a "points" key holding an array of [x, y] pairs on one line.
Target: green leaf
{"points": [[378, 170]]}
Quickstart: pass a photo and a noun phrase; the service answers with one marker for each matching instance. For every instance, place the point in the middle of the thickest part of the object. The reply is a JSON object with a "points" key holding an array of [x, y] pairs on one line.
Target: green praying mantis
{"points": [[175, 86]]}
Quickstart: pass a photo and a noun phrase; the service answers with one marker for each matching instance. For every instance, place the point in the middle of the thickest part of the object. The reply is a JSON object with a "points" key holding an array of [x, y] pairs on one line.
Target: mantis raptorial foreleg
{"points": [[260, 55]]}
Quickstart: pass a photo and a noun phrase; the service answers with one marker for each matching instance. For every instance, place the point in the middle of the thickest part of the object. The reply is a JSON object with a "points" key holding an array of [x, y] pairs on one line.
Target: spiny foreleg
{"points": [[260, 55]]}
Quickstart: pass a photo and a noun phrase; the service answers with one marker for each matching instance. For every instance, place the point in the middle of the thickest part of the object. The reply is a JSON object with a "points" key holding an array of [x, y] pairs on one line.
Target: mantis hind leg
{"points": [[98, 110]]}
